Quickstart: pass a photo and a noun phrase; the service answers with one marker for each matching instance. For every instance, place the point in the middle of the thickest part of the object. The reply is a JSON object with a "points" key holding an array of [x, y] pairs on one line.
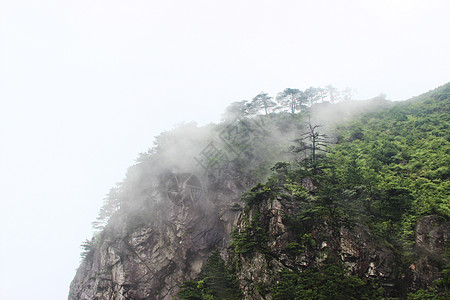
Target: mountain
{"points": [[337, 201]]}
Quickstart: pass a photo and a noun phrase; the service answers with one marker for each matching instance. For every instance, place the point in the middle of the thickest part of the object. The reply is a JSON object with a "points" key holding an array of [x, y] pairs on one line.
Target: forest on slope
{"points": [[373, 169], [387, 170]]}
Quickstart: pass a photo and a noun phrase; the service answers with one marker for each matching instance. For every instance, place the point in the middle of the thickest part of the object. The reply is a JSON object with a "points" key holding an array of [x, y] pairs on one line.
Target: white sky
{"points": [[85, 85]]}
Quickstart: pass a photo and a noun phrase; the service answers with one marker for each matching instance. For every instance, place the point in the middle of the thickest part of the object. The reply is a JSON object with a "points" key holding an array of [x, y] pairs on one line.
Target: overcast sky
{"points": [[85, 85]]}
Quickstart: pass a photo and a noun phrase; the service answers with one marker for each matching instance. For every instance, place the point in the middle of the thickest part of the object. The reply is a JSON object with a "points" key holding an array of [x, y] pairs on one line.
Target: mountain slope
{"points": [[369, 212]]}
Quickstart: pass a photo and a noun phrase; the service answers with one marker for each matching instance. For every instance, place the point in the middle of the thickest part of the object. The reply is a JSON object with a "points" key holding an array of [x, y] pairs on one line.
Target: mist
{"points": [[242, 148], [86, 86]]}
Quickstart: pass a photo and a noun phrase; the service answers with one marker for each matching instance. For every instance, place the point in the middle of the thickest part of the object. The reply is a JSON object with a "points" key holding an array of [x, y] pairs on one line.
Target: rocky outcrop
{"points": [[364, 255], [432, 234], [151, 259]]}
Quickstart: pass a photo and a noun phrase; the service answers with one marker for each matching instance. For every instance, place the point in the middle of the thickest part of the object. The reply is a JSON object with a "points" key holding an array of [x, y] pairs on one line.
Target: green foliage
{"points": [[110, 205], [89, 246], [391, 167], [191, 290], [304, 240], [298, 192], [251, 238], [261, 102], [292, 99], [217, 282], [327, 281], [87, 249], [294, 248], [257, 194], [312, 143]]}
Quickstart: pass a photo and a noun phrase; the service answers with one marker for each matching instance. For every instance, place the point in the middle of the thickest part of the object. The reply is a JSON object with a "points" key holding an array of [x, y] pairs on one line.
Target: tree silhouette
{"points": [[262, 101], [311, 141], [311, 95], [322, 93], [111, 204], [293, 99], [238, 109], [347, 94], [333, 93]]}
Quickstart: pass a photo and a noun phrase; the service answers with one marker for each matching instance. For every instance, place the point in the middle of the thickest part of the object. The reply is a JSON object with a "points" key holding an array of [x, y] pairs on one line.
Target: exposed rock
{"points": [[153, 259], [431, 235], [363, 254]]}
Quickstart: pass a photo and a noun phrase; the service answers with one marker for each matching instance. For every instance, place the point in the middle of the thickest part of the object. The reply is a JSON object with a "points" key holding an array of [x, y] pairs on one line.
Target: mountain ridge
{"points": [[158, 234]]}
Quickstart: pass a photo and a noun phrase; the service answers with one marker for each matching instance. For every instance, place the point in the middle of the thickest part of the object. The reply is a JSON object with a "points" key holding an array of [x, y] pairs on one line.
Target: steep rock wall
{"points": [[361, 252], [151, 260]]}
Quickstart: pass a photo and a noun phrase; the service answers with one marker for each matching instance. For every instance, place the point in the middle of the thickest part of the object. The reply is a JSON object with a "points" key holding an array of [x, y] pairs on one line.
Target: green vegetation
{"points": [[216, 282], [392, 167], [111, 204], [329, 281], [387, 170], [88, 247], [251, 238]]}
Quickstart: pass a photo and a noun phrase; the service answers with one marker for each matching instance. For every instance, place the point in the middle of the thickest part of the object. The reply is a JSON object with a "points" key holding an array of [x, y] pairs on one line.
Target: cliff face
{"points": [[431, 237], [361, 252], [372, 214], [151, 260]]}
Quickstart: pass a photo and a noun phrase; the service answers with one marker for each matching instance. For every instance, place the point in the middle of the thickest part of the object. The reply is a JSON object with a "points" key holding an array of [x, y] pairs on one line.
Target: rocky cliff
{"points": [[367, 220], [150, 258], [151, 261], [364, 255]]}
